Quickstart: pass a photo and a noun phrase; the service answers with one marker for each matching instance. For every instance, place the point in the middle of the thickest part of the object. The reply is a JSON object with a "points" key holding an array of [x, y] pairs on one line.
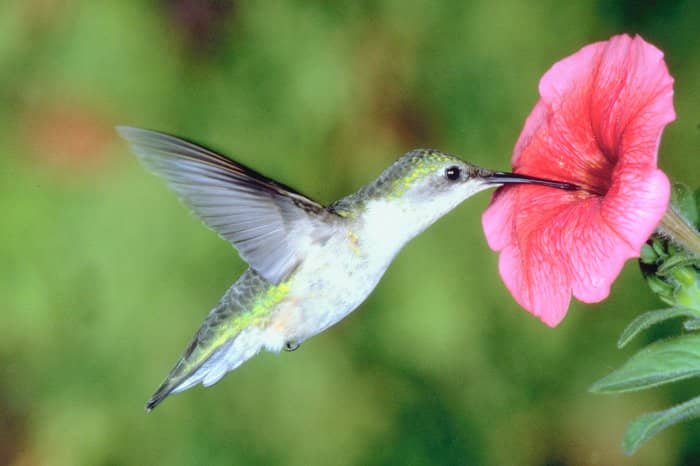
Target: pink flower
{"points": [[597, 124]]}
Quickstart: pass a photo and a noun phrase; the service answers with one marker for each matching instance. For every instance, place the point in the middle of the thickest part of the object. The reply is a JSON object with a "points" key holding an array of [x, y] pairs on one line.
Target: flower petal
{"points": [[533, 288], [530, 262], [632, 99], [635, 208], [597, 124]]}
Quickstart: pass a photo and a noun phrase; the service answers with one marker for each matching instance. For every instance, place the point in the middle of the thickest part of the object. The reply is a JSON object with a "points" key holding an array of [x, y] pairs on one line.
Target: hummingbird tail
{"points": [[233, 332], [157, 397], [183, 377], [211, 369]]}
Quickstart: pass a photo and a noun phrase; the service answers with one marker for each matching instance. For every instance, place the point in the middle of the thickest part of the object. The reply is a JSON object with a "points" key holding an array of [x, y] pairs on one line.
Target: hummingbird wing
{"points": [[267, 222]]}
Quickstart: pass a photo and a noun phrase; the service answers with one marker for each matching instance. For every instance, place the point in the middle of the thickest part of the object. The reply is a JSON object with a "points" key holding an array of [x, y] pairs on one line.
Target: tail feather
{"points": [[157, 397], [227, 357], [184, 375], [232, 333]]}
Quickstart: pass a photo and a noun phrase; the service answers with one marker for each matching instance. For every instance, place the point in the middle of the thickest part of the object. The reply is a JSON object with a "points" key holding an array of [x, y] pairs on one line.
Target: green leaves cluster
{"points": [[674, 275]]}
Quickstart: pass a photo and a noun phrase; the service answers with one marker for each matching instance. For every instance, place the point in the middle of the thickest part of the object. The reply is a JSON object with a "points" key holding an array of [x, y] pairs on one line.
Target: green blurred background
{"points": [[104, 276]]}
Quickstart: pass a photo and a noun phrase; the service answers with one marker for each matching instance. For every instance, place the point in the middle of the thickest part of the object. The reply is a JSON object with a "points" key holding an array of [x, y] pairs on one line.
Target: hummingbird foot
{"points": [[291, 346]]}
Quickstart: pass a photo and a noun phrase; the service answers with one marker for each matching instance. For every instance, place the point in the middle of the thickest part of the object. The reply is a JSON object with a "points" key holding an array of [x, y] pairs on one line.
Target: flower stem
{"points": [[677, 228]]}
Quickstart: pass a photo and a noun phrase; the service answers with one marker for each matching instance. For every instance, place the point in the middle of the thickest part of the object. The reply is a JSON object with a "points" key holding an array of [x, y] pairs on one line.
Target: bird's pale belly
{"points": [[324, 290]]}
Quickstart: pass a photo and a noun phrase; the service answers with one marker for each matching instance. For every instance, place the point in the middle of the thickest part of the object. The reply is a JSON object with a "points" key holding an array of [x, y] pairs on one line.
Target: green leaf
{"points": [[648, 255], [658, 246], [659, 363], [661, 288], [678, 260], [650, 424], [650, 318]]}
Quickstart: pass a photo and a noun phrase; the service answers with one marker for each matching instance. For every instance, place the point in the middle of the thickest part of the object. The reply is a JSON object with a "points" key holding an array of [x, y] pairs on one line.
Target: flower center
{"points": [[598, 179]]}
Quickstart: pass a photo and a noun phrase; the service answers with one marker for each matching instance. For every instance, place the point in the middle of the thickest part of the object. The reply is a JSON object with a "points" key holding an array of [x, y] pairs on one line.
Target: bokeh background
{"points": [[104, 276]]}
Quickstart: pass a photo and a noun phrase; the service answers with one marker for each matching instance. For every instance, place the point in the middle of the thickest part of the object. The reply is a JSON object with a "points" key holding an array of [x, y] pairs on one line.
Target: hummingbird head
{"points": [[437, 178], [425, 184]]}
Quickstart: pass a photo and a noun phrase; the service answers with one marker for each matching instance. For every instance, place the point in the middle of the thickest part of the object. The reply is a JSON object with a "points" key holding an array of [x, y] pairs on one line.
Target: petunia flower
{"points": [[597, 124]]}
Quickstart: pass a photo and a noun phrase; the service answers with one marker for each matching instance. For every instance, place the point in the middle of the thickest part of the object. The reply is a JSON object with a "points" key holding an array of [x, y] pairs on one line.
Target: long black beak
{"points": [[512, 178]]}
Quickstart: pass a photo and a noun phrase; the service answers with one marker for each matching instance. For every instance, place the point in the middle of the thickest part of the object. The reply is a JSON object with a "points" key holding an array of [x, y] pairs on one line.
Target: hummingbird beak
{"points": [[514, 178]]}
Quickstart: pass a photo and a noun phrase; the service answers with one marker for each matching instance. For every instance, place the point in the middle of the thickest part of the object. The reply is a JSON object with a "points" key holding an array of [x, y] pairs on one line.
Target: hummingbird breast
{"points": [[331, 281]]}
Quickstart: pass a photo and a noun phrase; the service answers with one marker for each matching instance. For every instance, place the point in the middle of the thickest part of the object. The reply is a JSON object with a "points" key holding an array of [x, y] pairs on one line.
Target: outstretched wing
{"points": [[268, 223]]}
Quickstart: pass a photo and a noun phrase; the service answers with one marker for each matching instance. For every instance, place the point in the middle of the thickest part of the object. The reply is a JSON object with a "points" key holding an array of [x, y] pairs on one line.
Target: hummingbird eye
{"points": [[453, 173]]}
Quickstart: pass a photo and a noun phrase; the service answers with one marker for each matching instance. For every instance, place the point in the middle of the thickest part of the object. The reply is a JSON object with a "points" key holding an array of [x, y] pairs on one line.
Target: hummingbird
{"points": [[309, 265]]}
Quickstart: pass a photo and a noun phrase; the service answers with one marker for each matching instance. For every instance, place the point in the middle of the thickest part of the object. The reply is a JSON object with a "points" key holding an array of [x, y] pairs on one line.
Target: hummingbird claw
{"points": [[291, 346]]}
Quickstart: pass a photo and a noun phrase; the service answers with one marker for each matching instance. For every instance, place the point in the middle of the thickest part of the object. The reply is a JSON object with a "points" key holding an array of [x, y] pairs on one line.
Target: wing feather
{"points": [[267, 222]]}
